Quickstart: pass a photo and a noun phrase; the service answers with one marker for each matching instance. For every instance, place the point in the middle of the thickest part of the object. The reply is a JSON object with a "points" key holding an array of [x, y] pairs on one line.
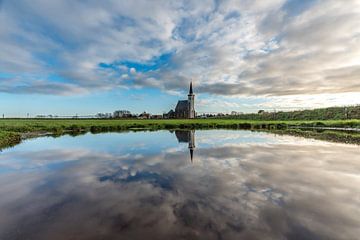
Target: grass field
{"points": [[11, 130]]}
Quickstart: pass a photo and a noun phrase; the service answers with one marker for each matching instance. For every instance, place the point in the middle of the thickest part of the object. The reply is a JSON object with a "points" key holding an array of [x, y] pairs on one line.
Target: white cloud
{"points": [[124, 76], [132, 70], [239, 48]]}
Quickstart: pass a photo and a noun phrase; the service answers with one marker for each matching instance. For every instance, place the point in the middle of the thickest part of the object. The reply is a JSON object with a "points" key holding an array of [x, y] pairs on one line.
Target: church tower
{"points": [[191, 136], [191, 98]]}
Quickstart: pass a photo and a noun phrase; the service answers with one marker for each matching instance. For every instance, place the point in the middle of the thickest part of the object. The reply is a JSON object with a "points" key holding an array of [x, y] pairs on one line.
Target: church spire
{"points": [[191, 90], [191, 155]]}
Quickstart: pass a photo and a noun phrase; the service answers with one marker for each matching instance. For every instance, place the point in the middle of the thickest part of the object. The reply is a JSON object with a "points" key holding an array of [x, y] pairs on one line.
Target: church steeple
{"points": [[191, 100], [190, 90], [191, 136], [191, 155]]}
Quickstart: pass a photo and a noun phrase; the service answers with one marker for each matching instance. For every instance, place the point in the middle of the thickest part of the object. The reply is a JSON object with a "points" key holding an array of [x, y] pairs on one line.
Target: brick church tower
{"points": [[191, 99]]}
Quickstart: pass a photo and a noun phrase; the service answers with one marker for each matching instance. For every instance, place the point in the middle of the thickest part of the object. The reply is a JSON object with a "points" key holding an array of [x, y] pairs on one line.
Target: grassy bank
{"points": [[8, 139], [11, 130]]}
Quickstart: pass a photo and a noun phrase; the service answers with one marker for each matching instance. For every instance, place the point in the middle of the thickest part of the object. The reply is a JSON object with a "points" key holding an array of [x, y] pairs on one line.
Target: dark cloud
{"points": [[296, 7], [226, 47], [44, 88]]}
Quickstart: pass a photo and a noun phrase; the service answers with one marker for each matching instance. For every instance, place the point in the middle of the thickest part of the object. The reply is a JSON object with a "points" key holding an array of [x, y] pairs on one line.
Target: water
{"points": [[180, 185]]}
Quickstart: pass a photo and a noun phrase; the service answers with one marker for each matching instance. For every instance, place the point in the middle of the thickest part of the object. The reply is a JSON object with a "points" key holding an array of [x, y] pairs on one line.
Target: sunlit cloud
{"points": [[228, 48]]}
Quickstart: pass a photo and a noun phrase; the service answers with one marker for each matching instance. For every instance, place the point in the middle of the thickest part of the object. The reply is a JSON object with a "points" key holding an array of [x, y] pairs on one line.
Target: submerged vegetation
{"points": [[13, 130]]}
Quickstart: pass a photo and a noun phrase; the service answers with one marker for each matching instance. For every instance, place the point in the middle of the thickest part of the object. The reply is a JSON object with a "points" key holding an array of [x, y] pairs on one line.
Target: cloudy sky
{"points": [[66, 57]]}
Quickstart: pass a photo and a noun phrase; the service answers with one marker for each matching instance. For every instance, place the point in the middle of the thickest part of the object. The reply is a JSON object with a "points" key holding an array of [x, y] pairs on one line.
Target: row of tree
{"points": [[331, 113]]}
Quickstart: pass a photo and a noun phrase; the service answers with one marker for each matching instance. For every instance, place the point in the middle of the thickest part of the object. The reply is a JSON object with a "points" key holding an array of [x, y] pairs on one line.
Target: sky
{"points": [[67, 57]]}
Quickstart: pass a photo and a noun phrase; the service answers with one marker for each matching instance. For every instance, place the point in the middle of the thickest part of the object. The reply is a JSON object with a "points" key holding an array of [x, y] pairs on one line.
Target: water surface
{"points": [[214, 184]]}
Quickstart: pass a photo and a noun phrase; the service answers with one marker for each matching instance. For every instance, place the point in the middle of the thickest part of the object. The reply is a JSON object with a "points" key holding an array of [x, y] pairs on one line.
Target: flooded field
{"points": [[215, 184]]}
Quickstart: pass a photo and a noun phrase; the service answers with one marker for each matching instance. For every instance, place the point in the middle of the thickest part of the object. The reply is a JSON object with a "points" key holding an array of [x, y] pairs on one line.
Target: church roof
{"points": [[190, 90], [182, 105], [182, 136]]}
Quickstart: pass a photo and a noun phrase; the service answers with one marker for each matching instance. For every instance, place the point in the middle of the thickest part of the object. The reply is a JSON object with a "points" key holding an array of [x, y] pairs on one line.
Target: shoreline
{"points": [[13, 131]]}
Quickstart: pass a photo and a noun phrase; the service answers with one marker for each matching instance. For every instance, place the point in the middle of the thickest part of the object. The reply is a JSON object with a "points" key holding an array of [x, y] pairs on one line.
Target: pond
{"points": [[214, 184]]}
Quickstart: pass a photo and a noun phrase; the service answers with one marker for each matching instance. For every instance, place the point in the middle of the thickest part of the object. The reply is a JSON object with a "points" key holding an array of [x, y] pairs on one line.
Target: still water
{"points": [[215, 184]]}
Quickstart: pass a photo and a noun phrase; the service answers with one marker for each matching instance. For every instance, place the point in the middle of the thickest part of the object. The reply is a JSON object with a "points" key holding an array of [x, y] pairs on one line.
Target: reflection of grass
{"points": [[12, 129], [327, 135]]}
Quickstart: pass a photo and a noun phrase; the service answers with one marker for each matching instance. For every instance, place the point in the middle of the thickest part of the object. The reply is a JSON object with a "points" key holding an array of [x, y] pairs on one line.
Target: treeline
{"points": [[331, 113]]}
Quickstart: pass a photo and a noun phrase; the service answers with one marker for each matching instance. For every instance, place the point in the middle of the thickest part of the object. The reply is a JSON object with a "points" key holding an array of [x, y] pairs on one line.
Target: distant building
{"points": [[156, 116], [122, 114], [102, 115], [184, 108], [144, 115], [170, 114]]}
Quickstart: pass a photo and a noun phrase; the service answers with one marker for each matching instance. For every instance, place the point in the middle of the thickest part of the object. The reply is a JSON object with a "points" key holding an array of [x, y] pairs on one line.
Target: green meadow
{"points": [[13, 130]]}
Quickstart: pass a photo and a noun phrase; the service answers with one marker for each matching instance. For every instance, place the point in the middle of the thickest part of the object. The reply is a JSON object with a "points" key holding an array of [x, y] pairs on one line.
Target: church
{"points": [[184, 108]]}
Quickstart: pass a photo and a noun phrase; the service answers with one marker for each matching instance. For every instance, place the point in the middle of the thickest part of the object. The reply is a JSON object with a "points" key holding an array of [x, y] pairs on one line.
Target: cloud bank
{"points": [[229, 48]]}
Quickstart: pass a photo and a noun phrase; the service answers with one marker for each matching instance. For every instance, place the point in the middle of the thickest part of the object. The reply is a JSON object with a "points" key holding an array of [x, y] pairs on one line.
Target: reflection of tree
{"points": [[187, 136]]}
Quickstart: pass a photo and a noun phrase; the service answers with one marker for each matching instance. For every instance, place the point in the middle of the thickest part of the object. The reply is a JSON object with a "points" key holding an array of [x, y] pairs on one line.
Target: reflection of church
{"points": [[187, 136]]}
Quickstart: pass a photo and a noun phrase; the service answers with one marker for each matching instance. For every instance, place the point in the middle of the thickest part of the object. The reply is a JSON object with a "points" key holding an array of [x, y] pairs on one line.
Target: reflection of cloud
{"points": [[259, 191], [34, 159], [206, 138]]}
